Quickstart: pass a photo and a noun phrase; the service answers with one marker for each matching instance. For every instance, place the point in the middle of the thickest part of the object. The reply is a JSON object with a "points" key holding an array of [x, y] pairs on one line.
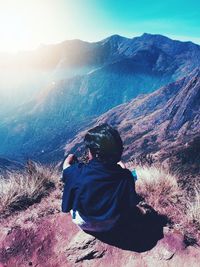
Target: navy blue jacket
{"points": [[98, 191]]}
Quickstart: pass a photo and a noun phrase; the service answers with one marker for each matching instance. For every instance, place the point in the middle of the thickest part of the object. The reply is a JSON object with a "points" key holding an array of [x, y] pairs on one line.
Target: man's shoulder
{"points": [[126, 173], [128, 176]]}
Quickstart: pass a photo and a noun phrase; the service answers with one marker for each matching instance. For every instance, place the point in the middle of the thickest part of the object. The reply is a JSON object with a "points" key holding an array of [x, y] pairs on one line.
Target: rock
{"points": [[87, 246], [168, 246]]}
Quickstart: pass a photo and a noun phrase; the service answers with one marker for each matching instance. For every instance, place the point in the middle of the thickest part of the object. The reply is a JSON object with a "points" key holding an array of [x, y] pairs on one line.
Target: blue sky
{"points": [[100, 18], [25, 24]]}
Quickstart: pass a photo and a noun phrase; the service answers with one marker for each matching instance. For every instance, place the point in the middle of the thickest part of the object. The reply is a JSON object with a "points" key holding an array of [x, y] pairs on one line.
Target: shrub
{"points": [[162, 192], [18, 190]]}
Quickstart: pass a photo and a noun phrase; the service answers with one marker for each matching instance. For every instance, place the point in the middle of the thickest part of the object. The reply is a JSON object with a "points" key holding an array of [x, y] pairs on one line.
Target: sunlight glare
{"points": [[23, 23]]}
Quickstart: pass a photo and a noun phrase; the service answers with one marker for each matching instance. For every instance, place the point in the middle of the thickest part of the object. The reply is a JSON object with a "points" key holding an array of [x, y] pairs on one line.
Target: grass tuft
{"points": [[19, 190], [162, 192]]}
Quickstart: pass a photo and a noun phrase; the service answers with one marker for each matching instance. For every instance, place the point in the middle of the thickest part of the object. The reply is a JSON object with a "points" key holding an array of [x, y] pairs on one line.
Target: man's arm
{"points": [[68, 161]]}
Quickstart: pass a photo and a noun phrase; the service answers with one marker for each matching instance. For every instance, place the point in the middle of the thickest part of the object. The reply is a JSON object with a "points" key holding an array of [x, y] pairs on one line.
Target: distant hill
{"points": [[77, 53], [99, 77]]}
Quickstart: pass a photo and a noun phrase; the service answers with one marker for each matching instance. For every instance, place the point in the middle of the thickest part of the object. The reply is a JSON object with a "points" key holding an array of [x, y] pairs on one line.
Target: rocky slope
{"points": [[159, 123], [42, 236], [113, 71]]}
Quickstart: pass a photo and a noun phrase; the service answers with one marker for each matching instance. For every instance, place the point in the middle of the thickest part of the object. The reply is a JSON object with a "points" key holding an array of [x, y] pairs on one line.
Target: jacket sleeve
{"points": [[68, 198], [70, 178]]}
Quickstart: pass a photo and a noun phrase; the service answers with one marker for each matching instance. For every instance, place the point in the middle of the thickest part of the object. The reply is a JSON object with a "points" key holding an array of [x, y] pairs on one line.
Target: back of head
{"points": [[104, 143]]}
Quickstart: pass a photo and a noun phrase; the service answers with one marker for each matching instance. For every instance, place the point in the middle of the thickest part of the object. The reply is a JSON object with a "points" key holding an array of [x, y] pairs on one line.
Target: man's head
{"points": [[104, 143]]}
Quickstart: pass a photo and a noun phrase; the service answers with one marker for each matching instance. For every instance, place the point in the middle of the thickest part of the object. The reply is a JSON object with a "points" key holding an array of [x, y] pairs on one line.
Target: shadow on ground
{"points": [[137, 233]]}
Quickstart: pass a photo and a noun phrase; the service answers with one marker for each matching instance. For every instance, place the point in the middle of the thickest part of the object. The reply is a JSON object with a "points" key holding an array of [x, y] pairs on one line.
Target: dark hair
{"points": [[104, 143]]}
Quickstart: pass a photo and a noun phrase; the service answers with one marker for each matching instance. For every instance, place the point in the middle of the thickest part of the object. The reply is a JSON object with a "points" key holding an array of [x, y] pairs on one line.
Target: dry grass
{"points": [[18, 190], [191, 224], [162, 191], [194, 208]]}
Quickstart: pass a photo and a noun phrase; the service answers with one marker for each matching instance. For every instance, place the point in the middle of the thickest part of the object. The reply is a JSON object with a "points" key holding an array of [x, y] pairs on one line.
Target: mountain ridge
{"points": [[74, 43]]}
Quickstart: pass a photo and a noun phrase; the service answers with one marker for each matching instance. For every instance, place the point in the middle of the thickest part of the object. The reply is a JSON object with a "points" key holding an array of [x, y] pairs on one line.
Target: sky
{"points": [[25, 24]]}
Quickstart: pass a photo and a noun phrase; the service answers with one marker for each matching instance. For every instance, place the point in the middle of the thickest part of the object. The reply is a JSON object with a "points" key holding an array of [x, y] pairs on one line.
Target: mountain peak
{"points": [[157, 37], [115, 38]]}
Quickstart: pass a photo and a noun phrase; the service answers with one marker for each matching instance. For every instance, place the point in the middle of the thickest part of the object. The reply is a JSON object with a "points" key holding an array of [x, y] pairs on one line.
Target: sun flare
{"points": [[23, 23]]}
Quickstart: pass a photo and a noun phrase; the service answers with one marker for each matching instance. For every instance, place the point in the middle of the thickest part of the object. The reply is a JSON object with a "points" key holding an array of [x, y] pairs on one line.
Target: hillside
{"points": [[164, 123], [102, 75]]}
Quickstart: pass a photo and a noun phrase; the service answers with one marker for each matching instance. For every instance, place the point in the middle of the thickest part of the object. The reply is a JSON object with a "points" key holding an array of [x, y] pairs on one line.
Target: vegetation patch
{"points": [[19, 190], [163, 193]]}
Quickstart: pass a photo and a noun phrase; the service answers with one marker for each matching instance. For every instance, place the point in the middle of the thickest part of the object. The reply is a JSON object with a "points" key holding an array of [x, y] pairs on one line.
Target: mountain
{"points": [[77, 53], [100, 76], [165, 123]]}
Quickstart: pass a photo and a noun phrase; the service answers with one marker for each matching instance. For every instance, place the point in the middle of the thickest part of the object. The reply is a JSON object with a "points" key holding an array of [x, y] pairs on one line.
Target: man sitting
{"points": [[102, 192]]}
